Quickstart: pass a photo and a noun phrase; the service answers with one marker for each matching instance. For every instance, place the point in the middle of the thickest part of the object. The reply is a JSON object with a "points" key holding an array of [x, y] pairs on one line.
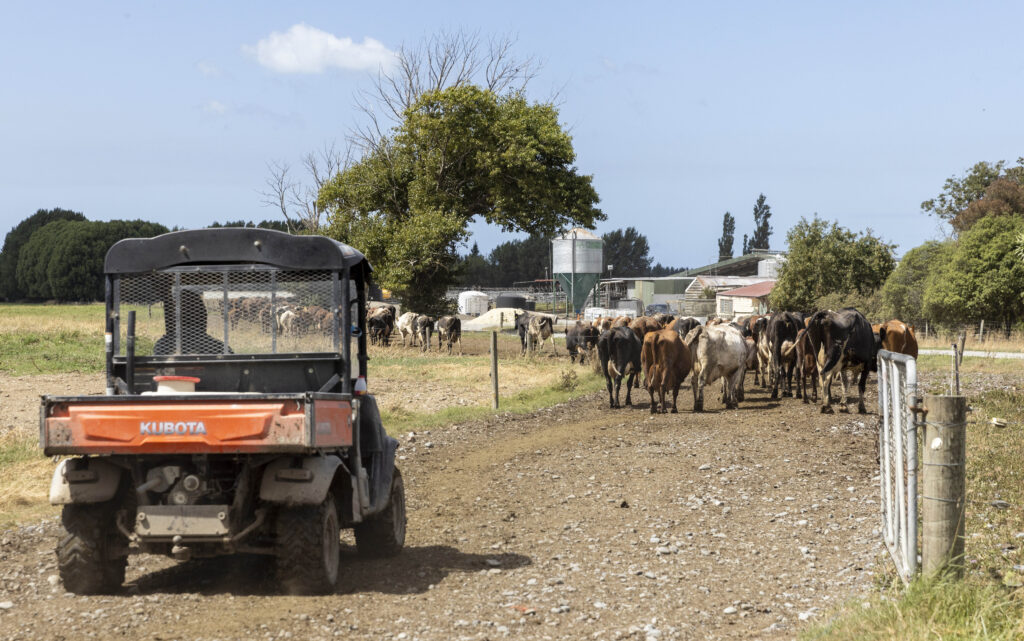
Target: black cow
{"points": [[619, 351], [579, 340], [848, 343], [380, 323], [684, 325], [449, 328], [783, 326]]}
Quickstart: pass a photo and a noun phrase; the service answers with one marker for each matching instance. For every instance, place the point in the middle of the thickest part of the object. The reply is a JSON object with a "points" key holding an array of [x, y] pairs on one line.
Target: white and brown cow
{"points": [[718, 351]]}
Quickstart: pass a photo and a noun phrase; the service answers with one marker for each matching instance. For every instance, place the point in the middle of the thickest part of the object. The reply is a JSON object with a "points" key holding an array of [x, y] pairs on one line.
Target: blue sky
{"points": [[681, 111]]}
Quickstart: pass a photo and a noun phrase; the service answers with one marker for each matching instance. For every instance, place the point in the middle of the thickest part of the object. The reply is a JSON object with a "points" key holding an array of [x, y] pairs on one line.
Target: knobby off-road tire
{"points": [[384, 534], [91, 554], [308, 547]]}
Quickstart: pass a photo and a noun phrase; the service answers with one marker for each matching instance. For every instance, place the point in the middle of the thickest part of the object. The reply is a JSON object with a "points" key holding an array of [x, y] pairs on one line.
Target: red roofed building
{"points": [[752, 299]]}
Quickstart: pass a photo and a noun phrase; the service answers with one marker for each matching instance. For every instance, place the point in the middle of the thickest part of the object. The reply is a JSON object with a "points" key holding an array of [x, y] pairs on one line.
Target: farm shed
{"points": [[663, 289], [698, 302], [752, 299]]}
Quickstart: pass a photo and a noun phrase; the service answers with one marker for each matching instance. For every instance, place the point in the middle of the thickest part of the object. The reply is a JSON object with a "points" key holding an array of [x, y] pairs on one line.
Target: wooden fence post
{"points": [[944, 484], [494, 366]]}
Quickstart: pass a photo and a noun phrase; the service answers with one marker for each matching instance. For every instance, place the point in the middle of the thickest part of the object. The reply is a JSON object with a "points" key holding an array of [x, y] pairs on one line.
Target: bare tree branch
{"points": [[298, 201]]}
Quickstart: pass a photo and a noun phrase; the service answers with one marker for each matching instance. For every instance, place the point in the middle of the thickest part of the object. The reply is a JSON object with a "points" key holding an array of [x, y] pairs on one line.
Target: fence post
{"points": [[943, 510], [494, 366]]}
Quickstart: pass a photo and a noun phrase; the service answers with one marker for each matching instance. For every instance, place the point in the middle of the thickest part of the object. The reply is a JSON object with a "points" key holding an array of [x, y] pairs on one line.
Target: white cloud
{"points": [[306, 49], [207, 68], [215, 107]]}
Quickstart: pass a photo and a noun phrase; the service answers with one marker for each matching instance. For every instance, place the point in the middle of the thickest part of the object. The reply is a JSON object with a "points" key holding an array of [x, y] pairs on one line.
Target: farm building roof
{"points": [[757, 290], [745, 265]]}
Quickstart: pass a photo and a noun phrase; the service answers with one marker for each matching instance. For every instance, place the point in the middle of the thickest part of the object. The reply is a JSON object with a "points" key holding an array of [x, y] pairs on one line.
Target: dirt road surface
{"points": [[575, 522]]}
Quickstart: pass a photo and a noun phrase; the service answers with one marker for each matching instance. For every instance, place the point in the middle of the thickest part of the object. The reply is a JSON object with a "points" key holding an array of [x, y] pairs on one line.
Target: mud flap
{"points": [[84, 480], [297, 480]]}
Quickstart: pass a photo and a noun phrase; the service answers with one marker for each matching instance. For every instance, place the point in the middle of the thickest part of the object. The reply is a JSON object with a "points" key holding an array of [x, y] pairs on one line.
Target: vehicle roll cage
{"points": [[244, 251]]}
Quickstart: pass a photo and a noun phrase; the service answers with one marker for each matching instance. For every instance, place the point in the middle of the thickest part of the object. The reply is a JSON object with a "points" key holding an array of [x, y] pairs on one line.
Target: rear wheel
{"points": [[308, 547], [384, 534], [91, 554]]}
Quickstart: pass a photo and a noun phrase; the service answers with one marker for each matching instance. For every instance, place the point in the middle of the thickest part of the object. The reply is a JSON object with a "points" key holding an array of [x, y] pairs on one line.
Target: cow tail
{"points": [[786, 351]]}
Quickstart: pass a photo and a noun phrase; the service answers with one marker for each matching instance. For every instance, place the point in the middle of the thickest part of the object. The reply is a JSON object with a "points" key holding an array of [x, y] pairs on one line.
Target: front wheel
{"points": [[384, 534], [309, 547], [91, 554]]}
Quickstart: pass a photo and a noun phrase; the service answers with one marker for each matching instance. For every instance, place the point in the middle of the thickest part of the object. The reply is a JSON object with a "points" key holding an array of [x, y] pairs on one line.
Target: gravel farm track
{"points": [[573, 522]]}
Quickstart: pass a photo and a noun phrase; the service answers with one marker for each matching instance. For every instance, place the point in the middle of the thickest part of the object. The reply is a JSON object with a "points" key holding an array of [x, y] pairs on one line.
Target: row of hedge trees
{"points": [[57, 254]]}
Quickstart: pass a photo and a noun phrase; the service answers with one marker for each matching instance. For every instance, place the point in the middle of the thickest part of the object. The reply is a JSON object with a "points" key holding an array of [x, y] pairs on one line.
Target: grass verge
{"points": [[989, 602], [568, 386], [929, 610]]}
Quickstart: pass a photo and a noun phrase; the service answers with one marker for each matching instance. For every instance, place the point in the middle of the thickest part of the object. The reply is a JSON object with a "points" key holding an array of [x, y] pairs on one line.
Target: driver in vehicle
{"points": [[194, 339]]}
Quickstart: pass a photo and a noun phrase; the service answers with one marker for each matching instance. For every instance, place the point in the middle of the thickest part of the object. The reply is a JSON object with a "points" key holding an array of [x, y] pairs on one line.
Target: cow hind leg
{"points": [[860, 389], [736, 389], [698, 393], [825, 380]]}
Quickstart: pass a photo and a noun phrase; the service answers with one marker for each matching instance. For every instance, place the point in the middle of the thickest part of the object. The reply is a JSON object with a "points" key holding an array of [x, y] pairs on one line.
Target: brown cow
{"points": [[620, 321], [806, 364], [897, 336], [665, 361], [642, 325]]}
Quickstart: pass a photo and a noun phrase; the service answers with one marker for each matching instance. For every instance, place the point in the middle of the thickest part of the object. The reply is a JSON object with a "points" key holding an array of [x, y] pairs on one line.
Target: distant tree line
{"points": [[626, 250], [58, 254]]}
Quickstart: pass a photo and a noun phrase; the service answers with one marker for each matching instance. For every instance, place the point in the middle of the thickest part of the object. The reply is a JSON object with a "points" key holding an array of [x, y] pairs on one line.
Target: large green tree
{"points": [[903, 292], [459, 153], [728, 236], [627, 251], [14, 241], [959, 193], [825, 259], [980, 277]]}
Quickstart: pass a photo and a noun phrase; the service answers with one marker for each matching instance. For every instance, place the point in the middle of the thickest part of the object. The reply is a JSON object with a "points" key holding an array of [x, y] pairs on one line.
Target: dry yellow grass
{"points": [[994, 342]]}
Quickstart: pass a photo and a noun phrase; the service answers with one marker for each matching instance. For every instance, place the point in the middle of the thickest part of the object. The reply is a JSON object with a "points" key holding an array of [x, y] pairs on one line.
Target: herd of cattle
{"points": [[381, 322], [665, 350], [284, 318]]}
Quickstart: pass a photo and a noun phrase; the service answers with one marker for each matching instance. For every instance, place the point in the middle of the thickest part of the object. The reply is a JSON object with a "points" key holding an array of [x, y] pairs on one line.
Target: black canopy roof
{"points": [[232, 245]]}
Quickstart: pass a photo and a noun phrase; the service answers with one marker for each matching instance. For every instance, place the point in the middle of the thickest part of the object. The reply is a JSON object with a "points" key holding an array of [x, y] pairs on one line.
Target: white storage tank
{"points": [[472, 303], [768, 268], [577, 263]]}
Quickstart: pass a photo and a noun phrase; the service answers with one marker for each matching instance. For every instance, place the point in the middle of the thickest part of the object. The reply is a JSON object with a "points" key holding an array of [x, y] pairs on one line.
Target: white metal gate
{"points": [[897, 443]]}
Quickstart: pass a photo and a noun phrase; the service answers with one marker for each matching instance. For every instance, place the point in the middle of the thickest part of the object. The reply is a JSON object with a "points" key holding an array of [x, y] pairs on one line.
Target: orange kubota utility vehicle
{"points": [[233, 419]]}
